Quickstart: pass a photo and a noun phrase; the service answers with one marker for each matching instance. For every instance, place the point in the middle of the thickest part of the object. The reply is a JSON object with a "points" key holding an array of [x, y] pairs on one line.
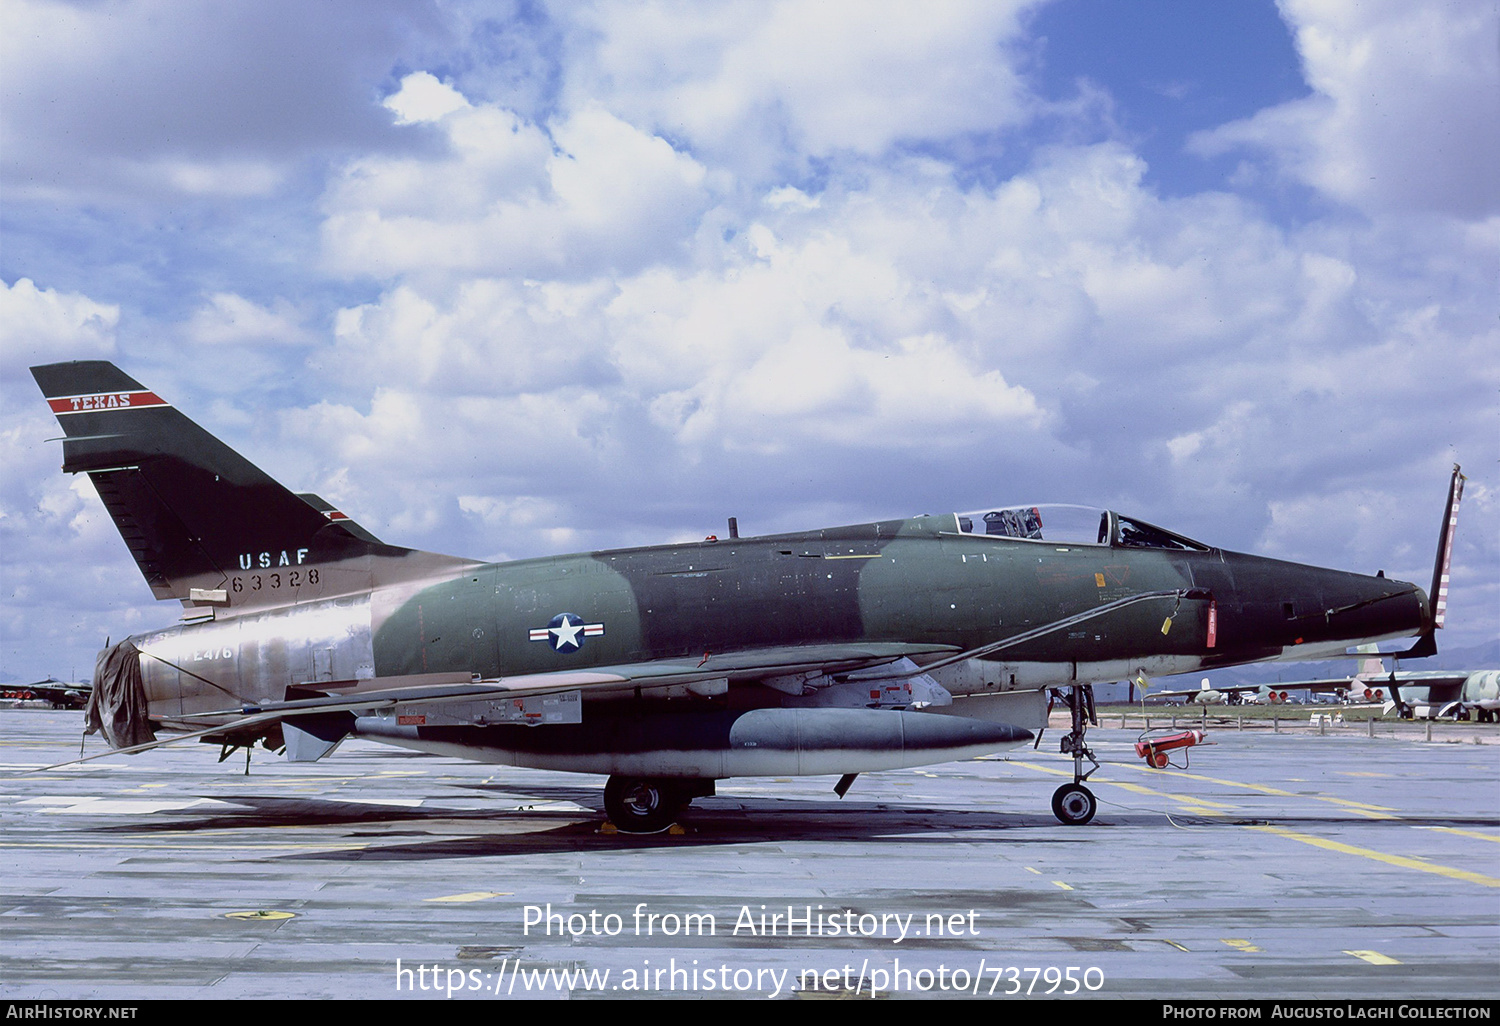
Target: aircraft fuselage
{"points": [[916, 583]]}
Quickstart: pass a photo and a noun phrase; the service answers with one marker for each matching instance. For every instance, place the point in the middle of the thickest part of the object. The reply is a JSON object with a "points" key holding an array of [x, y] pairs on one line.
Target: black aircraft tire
{"points": [[1074, 804], [639, 806]]}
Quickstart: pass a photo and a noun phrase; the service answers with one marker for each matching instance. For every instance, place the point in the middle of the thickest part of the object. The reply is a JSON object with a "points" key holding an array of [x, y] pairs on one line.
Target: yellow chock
{"points": [[260, 914]]}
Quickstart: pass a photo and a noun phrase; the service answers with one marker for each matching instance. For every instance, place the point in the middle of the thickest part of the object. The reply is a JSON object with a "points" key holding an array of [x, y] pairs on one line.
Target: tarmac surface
{"points": [[1277, 866]]}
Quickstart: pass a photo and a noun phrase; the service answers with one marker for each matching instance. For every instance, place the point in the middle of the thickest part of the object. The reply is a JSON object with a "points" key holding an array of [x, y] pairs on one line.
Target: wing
{"points": [[248, 722], [1195, 692], [603, 681]]}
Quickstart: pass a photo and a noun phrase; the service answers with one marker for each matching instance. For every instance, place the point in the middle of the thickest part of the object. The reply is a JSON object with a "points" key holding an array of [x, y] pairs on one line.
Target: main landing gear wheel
{"points": [[640, 806], [1074, 804]]}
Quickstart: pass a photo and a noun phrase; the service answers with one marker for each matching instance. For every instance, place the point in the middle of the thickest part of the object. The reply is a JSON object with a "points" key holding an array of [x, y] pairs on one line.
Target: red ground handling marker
{"points": [[1154, 749]]}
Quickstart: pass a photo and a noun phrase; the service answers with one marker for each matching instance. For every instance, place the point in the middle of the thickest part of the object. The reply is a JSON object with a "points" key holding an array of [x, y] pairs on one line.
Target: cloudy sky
{"points": [[507, 280]]}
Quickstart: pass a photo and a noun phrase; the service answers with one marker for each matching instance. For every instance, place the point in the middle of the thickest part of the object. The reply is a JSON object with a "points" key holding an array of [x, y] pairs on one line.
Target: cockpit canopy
{"points": [[1073, 525]]}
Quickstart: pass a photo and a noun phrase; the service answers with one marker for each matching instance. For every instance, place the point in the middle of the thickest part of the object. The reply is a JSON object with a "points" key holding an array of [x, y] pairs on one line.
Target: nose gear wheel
{"points": [[1073, 804]]}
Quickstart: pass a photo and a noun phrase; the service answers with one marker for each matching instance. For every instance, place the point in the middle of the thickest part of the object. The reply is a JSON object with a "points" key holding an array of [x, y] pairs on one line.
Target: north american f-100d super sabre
{"points": [[839, 651]]}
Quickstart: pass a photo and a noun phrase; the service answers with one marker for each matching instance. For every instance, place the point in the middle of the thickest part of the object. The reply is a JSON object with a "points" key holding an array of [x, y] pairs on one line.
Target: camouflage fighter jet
{"points": [[838, 651]]}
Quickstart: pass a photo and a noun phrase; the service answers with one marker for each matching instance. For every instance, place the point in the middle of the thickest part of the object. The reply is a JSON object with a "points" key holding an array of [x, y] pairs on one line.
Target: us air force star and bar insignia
{"points": [[566, 631]]}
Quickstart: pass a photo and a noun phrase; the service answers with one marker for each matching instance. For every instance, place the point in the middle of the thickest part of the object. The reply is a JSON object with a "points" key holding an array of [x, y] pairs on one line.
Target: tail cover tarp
{"points": [[118, 703]]}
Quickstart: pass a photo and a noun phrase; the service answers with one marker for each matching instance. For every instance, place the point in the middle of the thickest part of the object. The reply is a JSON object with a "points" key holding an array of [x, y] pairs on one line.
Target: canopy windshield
{"points": [[1072, 525]]}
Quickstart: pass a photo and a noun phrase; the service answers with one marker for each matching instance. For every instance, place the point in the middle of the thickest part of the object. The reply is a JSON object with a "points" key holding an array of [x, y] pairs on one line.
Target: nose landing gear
{"points": [[1074, 804]]}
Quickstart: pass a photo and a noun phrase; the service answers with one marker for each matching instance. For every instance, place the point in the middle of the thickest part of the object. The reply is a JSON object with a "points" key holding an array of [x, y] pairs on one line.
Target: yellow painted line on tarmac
{"points": [[1043, 769], [1185, 799], [1379, 856], [1239, 945], [1274, 791], [1364, 809], [1137, 788], [164, 845], [1197, 805], [263, 781], [1174, 944], [1261, 788], [23, 766], [1374, 957], [260, 915], [472, 896], [1494, 838]]}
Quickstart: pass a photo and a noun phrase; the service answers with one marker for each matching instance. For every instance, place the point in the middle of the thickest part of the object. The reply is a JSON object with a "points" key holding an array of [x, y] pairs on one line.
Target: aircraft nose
{"points": [[1426, 607], [1287, 605], [1358, 608]]}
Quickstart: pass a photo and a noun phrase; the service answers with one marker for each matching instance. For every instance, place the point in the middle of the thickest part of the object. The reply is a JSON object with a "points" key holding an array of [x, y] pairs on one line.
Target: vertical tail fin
{"points": [[192, 511]]}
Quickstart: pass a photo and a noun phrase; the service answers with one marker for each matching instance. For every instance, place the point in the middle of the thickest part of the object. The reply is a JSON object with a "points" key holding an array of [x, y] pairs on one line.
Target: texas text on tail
{"points": [[839, 651]]}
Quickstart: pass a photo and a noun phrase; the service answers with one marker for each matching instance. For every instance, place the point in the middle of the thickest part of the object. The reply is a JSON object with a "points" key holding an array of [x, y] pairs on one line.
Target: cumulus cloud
{"points": [[760, 85], [908, 312], [1404, 111], [423, 98], [52, 526], [589, 192], [488, 335], [144, 99], [228, 319], [44, 325]]}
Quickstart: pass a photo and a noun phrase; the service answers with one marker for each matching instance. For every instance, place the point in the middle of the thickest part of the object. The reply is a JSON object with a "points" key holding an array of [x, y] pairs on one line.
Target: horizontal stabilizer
{"points": [[309, 738], [337, 516]]}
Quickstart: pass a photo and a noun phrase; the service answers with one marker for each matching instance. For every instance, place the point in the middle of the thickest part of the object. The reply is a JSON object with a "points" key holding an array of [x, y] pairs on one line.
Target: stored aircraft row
{"points": [[1421, 694], [56, 693], [837, 651]]}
